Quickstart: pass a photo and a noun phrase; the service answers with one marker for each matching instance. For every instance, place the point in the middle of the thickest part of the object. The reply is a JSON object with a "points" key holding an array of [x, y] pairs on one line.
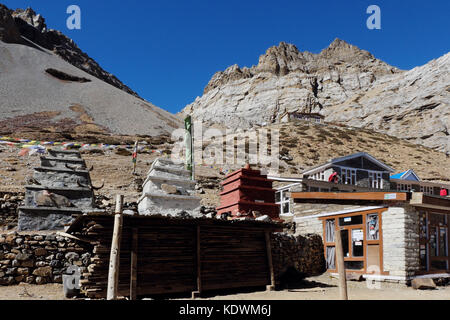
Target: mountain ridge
{"points": [[32, 26], [41, 91], [346, 84]]}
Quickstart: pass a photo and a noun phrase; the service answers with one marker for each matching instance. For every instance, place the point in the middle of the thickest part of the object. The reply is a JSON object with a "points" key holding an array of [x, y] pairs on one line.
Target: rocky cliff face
{"points": [[344, 83], [21, 25]]}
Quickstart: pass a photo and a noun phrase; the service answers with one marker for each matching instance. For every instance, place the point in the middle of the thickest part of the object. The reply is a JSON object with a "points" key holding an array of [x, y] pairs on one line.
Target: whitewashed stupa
{"points": [[168, 190]]}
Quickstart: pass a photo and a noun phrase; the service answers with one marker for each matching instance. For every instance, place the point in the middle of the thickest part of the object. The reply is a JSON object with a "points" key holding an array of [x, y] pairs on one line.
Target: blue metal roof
{"points": [[398, 175], [406, 175]]}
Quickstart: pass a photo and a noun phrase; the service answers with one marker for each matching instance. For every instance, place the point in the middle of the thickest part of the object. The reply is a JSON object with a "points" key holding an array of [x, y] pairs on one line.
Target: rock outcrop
{"points": [[346, 84], [9, 32]]}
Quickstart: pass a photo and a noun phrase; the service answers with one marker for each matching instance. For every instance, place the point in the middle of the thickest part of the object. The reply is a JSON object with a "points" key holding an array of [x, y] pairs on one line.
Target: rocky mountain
{"points": [[346, 84], [27, 24], [48, 83]]}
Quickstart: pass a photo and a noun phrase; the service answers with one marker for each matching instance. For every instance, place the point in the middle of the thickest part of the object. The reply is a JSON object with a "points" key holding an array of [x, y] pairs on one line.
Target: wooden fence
{"points": [[160, 255]]}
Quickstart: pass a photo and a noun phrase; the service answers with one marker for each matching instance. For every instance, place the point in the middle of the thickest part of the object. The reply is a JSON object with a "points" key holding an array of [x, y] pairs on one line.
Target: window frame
{"points": [[366, 242], [375, 177]]}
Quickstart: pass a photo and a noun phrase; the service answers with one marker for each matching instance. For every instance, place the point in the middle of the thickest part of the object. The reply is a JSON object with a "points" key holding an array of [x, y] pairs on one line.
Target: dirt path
{"points": [[316, 288], [326, 288], [32, 292]]}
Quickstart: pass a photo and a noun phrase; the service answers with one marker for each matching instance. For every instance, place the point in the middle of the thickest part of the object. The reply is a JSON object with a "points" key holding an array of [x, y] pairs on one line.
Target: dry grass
{"points": [[311, 144]]}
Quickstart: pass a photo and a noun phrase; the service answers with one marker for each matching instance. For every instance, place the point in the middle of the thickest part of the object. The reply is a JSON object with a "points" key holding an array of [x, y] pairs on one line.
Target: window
{"points": [[360, 250], [330, 249], [348, 176], [434, 242], [278, 197], [320, 176], [357, 243], [426, 190], [404, 187], [376, 179], [372, 227], [282, 198], [348, 221]]}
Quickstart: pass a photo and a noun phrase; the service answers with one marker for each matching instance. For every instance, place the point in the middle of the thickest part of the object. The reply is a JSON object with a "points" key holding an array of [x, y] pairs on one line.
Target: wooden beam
{"points": [[114, 260], [341, 266], [134, 257], [419, 199], [270, 261], [381, 196]]}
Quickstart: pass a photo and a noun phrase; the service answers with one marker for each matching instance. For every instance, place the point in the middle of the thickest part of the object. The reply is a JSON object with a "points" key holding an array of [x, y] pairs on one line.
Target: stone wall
{"points": [[304, 226], [8, 209], [400, 229], [303, 253], [39, 258]]}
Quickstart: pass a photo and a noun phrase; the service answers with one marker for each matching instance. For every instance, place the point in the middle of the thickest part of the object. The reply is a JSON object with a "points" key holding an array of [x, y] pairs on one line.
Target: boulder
{"points": [[423, 284], [169, 189], [43, 272]]}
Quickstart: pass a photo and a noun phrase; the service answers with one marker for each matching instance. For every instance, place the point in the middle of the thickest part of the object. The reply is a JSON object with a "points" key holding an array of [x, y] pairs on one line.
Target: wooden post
{"points": [[341, 266], [133, 273], [197, 293], [271, 287], [114, 261]]}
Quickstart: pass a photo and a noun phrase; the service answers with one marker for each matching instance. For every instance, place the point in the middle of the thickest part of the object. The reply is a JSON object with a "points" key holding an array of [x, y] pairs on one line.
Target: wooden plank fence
{"points": [[167, 255]]}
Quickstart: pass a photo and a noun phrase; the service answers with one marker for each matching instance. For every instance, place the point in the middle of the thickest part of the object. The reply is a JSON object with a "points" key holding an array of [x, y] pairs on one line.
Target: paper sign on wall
{"points": [[357, 235], [390, 196]]}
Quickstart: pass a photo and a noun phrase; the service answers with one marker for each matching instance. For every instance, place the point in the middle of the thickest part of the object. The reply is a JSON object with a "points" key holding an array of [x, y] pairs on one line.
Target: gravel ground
{"points": [[315, 288], [26, 88]]}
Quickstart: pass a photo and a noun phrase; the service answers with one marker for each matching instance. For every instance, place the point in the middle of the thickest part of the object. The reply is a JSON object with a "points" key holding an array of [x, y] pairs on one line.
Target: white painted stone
{"points": [[155, 201]]}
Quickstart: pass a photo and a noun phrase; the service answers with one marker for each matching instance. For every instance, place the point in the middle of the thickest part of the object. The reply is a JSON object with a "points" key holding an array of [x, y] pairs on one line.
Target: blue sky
{"points": [[167, 51]]}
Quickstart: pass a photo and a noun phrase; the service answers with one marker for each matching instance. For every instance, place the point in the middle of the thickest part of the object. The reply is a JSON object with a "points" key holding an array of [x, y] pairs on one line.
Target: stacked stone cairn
{"points": [[59, 190], [169, 191]]}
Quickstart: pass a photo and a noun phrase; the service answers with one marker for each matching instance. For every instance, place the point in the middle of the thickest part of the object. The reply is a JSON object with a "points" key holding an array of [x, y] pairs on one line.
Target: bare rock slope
{"points": [[346, 84], [31, 26], [40, 90]]}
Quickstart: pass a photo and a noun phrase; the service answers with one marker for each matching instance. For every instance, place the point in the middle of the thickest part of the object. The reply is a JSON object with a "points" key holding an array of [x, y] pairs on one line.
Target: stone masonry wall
{"points": [[8, 209], [304, 226], [303, 253], [400, 241], [39, 258]]}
